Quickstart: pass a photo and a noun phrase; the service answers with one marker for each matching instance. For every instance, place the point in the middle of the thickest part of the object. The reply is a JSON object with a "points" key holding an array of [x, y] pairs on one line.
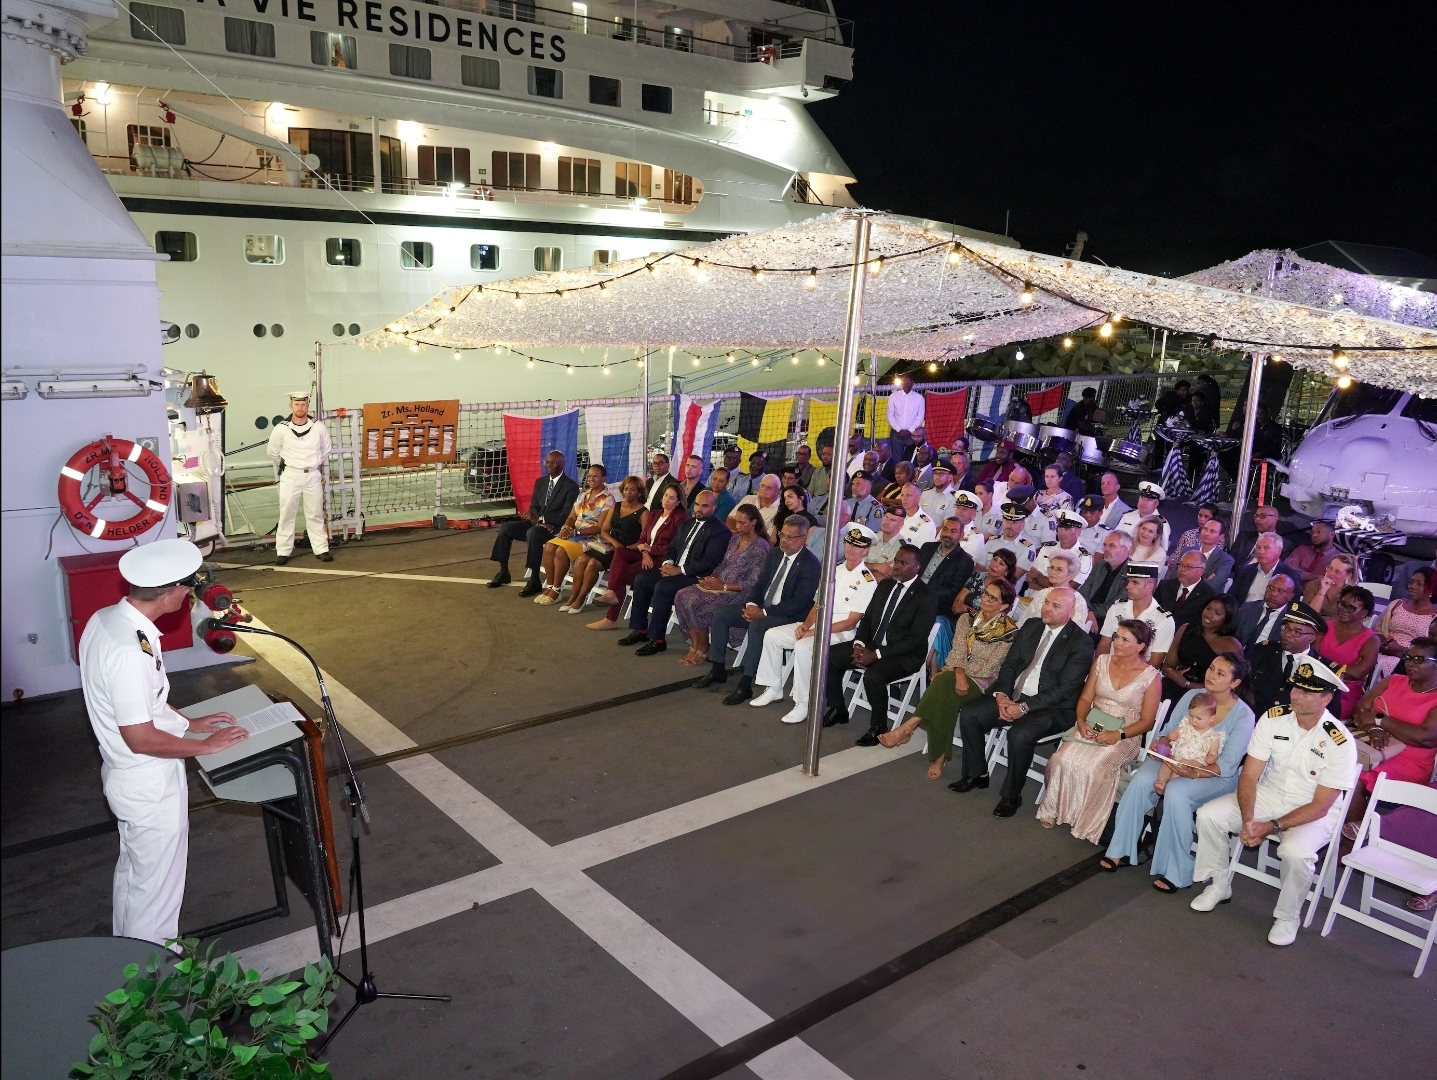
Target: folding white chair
{"points": [[1379, 590], [913, 687], [1268, 866], [1374, 857], [997, 751]]}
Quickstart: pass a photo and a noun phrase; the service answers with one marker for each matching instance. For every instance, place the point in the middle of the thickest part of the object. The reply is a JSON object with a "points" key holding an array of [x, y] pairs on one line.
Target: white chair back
{"points": [[1268, 865], [1379, 591]]}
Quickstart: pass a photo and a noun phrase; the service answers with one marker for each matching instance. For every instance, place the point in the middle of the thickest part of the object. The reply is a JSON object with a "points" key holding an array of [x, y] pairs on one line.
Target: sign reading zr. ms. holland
{"points": [[400, 21]]}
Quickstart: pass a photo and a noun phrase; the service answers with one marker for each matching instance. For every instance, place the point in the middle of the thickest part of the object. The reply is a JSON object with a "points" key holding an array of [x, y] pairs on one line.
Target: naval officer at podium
{"points": [[125, 686]]}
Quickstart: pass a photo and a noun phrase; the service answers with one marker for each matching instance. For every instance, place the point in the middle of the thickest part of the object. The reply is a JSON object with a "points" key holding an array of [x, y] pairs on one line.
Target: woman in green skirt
{"points": [[979, 646]]}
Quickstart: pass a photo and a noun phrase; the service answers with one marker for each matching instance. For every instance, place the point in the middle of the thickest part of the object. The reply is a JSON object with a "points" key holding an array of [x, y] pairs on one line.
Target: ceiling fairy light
{"points": [[811, 280], [875, 266], [1026, 296], [757, 274], [932, 368], [753, 362], [731, 358], [518, 300], [530, 365], [1344, 381], [570, 369], [1339, 359], [1067, 343], [954, 255], [1018, 355]]}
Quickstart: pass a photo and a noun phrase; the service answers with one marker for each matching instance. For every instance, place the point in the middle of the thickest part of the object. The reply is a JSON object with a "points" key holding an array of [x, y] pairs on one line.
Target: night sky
{"points": [[1175, 138]]}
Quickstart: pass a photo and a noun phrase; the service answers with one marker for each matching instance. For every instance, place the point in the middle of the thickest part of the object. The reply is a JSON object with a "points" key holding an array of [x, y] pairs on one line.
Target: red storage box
{"points": [[93, 582]]}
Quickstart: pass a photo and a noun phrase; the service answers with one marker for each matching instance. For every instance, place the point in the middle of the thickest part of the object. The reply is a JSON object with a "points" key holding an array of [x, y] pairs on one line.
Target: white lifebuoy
{"points": [[111, 455]]}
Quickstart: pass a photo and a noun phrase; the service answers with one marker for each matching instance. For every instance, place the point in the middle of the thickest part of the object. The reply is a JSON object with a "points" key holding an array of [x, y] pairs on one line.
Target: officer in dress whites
{"points": [[1300, 760], [966, 506], [1150, 497], [939, 500], [1093, 533], [122, 674], [1069, 526], [299, 448], [990, 516], [1012, 538], [918, 528], [1140, 605], [853, 587], [1037, 527]]}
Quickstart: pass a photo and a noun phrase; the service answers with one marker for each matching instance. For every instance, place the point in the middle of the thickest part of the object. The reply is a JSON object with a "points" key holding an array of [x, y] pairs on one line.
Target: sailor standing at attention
{"points": [[123, 677], [299, 448]]}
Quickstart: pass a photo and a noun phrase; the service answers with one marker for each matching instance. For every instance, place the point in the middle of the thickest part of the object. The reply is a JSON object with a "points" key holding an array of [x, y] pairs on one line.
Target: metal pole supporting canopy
{"points": [[1249, 432], [837, 474]]}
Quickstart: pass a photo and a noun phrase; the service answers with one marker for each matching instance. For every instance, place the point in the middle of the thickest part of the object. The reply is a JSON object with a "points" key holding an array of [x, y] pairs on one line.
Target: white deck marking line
{"points": [[354, 573], [695, 992]]}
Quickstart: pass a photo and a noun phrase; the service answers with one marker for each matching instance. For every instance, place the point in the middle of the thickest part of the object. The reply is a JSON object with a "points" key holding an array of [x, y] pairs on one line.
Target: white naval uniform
{"points": [[1081, 555], [918, 529], [989, 522], [1161, 621], [124, 681], [1093, 538], [972, 541], [1298, 762], [305, 453], [1023, 548], [938, 505], [1129, 524], [1039, 528], [852, 590]]}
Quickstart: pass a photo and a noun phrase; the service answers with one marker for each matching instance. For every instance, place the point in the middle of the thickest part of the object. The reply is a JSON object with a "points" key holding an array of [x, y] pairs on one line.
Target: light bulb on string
{"points": [[694, 267], [606, 369], [530, 364], [563, 294], [1018, 355], [413, 347], [458, 355], [641, 365], [875, 266], [731, 358], [1106, 330], [498, 350], [753, 362], [696, 361], [822, 359], [1344, 381], [953, 256], [932, 368], [1026, 296], [652, 268], [604, 290], [1067, 343], [1339, 359], [757, 274], [811, 281], [518, 301], [570, 369]]}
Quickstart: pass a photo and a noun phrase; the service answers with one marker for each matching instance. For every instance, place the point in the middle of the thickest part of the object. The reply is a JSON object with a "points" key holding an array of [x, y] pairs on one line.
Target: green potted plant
{"points": [[186, 1019]]}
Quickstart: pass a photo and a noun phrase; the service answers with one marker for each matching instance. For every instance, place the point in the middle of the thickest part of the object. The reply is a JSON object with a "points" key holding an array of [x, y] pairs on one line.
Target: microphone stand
{"points": [[365, 988]]}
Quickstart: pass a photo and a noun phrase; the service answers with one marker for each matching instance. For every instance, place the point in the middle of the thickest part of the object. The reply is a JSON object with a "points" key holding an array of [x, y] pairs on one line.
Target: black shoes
{"points": [[740, 693], [834, 715], [968, 783], [713, 678], [325, 556], [651, 648], [1007, 807], [281, 560], [499, 580], [633, 637], [868, 738], [532, 588]]}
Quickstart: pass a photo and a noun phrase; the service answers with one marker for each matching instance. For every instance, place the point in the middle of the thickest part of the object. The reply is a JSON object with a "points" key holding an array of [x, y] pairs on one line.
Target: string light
{"points": [[696, 361], [570, 369], [694, 267], [794, 358], [822, 359], [1339, 359], [731, 358], [563, 294], [413, 347], [530, 365], [757, 274], [932, 369], [1018, 355], [753, 362], [1067, 343], [652, 268], [606, 369], [641, 365], [1026, 296], [498, 350], [458, 355], [811, 281], [875, 267], [954, 258], [1106, 330], [1344, 381], [518, 301], [605, 291]]}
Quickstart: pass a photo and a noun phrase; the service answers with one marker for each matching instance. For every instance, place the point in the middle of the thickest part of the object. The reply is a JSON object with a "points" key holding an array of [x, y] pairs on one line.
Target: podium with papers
{"points": [[280, 767]]}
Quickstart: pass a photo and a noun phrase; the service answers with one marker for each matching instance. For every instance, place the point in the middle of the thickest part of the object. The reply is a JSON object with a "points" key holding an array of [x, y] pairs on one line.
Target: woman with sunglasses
{"points": [[1401, 709], [1349, 647]]}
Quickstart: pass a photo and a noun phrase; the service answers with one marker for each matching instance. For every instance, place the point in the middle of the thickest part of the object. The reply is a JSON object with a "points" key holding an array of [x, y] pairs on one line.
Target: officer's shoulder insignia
{"points": [[144, 643], [1162, 609], [1083, 551], [1334, 732], [1049, 543], [1276, 711], [1025, 541], [867, 574]]}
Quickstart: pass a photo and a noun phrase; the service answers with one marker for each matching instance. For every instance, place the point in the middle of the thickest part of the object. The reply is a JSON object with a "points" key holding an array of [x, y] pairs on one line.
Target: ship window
{"points": [[443, 164], [518, 10], [342, 252], [148, 22], [678, 187], [260, 330], [603, 91], [145, 135], [276, 330], [605, 256], [408, 61], [546, 82], [516, 171], [179, 246], [249, 37], [479, 71], [338, 329], [264, 249], [548, 259], [354, 329], [416, 254], [632, 180], [579, 176], [192, 330], [484, 256], [656, 98], [338, 51]]}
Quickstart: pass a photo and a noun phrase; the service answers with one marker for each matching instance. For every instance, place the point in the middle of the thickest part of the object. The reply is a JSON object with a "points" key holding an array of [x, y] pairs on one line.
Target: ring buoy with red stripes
{"points": [[111, 456]]}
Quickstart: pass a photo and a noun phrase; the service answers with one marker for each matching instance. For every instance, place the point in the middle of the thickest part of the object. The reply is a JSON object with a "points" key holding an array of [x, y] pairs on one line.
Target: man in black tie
{"points": [[549, 506], [782, 595], [1035, 695], [696, 551], [1185, 595], [1260, 620], [1274, 662], [891, 643]]}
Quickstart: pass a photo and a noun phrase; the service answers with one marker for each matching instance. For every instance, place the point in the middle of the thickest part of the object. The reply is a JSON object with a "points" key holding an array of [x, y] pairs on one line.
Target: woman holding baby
{"points": [[1202, 749]]}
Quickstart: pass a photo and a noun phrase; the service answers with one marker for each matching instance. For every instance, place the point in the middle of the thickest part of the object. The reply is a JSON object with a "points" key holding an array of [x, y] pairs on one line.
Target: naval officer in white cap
{"points": [[125, 686], [299, 448]]}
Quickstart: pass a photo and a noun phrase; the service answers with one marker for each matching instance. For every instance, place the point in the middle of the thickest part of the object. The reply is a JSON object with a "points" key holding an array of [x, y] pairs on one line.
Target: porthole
{"points": [[338, 329], [276, 330], [261, 422], [259, 329], [277, 421], [354, 329], [192, 330]]}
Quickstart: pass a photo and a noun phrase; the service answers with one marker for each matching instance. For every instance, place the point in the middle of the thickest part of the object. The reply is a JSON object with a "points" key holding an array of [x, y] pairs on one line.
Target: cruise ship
{"points": [[314, 168]]}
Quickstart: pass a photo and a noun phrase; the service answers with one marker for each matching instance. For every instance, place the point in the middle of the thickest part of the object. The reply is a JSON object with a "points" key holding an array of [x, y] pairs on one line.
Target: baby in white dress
{"points": [[1195, 742]]}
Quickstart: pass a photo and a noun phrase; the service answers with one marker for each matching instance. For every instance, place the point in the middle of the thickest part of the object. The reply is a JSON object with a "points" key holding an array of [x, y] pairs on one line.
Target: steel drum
{"points": [[985, 430], [1023, 434], [1092, 449], [1058, 440], [1127, 456]]}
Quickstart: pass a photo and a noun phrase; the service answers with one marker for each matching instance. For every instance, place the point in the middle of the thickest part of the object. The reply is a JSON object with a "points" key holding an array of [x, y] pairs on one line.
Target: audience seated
{"points": [[1069, 527], [1189, 540], [918, 528], [938, 500], [887, 542], [1274, 662], [549, 506], [620, 526], [1249, 581], [727, 586], [1350, 647], [1053, 497], [1141, 583], [693, 481], [947, 569], [696, 550], [1002, 564], [1034, 696], [662, 480], [1060, 574], [1260, 620], [1408, 618], [1197, 644], [766, 500], [1012, 537], [1119, 703], [1172, 859], [1186, 593], [718, 484], [581, 526], [1311, 559], [1265, 519], [1107, 584], [657, 531], [1322, 593], [980, 644], [793, 500], [1147, 541], [1397, 723], [863, 507]]}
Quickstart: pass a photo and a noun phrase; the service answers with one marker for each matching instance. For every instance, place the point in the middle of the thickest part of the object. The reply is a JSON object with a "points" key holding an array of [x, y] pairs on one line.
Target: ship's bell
{"points": [[204, 394]]}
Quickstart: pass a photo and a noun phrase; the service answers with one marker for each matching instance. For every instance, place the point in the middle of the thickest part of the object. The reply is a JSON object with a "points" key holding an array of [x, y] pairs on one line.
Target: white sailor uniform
{"points": [[1039, 528], [918, 529], [1023, 547], [1093, 538], [938, 505], [1082, 556], [304, 451], [1298, 762], [123, 677], [852, 590], [1161, 621]]}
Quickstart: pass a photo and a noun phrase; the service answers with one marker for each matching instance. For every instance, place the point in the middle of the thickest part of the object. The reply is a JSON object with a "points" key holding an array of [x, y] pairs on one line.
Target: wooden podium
{"points": [[282, 770]]}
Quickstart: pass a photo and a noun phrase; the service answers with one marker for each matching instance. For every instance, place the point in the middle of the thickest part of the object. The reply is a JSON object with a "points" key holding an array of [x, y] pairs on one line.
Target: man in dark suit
{"points": [[891, 643], [1265, 520], [783, 594], [946, 567], [1261, 620], [1250, 582], [697, 549], [1035, 695], [662, 479], [549, 506], [1107, 584], [1272, 663], [1185, 595]]}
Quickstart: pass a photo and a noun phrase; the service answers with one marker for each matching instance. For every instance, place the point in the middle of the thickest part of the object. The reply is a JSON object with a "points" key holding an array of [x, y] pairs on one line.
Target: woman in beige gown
{"points": [[1082, 776]]}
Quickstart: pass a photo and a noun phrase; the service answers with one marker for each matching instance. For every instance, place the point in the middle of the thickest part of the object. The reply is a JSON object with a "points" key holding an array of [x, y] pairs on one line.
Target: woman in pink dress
{"points": [[1082, 777], [1401, 709], [1350, 646]]}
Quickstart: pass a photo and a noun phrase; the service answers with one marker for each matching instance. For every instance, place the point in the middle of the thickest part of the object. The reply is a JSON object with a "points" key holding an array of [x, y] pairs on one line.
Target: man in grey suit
{"points": [[1113, 506], [1217, 563], [554, 496], [1035, 695]]}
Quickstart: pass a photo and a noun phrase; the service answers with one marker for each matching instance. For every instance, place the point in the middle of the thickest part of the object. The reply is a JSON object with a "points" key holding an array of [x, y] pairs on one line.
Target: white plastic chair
{"points": [[913, 687], [1268, 865], [997, 751], [1378, 590], [1374, 857]]}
